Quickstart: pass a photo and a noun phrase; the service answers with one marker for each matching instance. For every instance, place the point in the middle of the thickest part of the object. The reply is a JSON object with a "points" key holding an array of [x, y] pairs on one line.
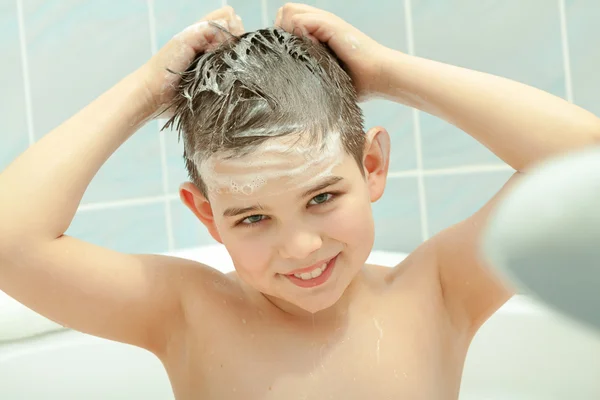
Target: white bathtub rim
{"points": [[36, 325]]}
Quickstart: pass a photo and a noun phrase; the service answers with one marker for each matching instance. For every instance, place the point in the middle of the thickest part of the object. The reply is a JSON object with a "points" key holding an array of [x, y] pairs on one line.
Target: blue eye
{"points": [[252, 219], [321, 198]]}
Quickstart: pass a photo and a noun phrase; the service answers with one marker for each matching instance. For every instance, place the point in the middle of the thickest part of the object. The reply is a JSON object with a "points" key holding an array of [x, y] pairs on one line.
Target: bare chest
{"points": [[383, 353]]}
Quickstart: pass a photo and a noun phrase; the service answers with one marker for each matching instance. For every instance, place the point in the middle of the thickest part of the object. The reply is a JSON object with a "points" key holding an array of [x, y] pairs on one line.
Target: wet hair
{"points": [[261, 85]]}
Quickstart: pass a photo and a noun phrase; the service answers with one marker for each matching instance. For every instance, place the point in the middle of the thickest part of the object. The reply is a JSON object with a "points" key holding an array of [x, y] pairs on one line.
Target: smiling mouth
{"points": [[315, 273], [315, 276]]}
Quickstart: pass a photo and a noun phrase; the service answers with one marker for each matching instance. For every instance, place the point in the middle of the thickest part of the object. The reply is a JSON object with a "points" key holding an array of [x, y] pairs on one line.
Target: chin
{"points": [[314, 307], [315, 303]]}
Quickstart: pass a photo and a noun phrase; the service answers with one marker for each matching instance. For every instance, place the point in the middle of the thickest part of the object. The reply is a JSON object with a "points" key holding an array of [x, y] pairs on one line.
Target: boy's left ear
{"points": [[376, 161]]}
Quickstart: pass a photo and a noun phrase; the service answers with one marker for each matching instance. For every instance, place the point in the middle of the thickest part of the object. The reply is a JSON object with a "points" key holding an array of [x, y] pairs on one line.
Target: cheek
{"points": [[249, 252], [352, 223]]}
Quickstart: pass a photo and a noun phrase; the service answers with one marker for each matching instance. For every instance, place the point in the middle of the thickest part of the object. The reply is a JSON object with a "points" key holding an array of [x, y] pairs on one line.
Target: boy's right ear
{"points": [[194, 200]]}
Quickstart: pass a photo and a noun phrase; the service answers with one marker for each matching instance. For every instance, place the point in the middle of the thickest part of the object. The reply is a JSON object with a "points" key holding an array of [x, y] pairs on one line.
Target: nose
{"points": [[299, 242]]}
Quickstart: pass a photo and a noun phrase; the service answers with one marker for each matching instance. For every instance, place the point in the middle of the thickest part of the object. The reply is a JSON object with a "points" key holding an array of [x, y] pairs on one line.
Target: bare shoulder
{"points": [[200, 281], [207, 296], [419, 267], [413, 292], [415, 276]]}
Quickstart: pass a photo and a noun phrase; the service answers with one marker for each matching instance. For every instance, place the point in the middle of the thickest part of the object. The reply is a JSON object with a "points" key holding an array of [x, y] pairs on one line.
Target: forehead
{"points": [[283, 191], [275, 164]]}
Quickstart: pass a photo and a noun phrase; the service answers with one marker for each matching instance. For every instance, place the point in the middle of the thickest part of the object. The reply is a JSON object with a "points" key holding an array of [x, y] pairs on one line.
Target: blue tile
{"points": [[134, 170], [173, 16], [453, 198], [176, 172], [14, 139], [397, 217], [444, 145], [78, 50], [582, 18], [252, 14], [188, 231], [131, 229], [516, 39], [398, 121]]}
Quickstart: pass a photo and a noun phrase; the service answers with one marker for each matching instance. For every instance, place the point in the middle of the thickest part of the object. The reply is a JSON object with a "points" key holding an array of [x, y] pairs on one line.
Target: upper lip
{"points": [[308, 269]]}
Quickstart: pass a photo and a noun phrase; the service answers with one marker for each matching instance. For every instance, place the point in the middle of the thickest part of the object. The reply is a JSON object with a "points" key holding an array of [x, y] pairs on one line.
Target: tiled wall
{"points": [[59, 55]]}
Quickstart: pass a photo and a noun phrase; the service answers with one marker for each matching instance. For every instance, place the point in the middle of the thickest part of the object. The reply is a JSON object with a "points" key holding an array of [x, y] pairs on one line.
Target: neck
{"points": [[325, 317]]}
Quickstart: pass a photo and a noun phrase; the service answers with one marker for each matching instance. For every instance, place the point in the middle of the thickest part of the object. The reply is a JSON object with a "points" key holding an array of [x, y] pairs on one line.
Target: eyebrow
{"points": [[332, 180], [233, 211]]}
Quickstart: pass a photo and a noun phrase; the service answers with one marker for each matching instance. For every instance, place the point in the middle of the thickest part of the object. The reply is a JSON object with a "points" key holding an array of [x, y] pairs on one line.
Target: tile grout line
{"points": [[137, 201], [417, 129], [25, 71], [265, 14], [392, 175], [565, 50], [469, 169], [161, 138]]}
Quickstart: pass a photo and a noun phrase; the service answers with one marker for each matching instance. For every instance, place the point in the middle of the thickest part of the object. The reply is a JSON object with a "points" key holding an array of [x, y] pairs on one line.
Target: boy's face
{"points": [[299, 237]]}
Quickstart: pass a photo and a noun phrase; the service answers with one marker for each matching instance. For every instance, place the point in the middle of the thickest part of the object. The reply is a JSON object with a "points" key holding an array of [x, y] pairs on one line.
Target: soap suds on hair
{"points": [[300, 164]]}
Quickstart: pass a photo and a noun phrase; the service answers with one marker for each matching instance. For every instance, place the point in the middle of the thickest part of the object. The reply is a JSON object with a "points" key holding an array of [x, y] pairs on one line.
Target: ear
{"points": [[194, 200], [376, 161]]}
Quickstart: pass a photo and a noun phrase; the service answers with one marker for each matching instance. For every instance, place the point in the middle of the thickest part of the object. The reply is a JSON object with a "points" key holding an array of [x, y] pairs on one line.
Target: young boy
{"points": [[289, 196]]}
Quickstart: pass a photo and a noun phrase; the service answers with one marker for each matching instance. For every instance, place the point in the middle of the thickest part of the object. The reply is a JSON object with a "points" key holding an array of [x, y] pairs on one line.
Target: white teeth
{"points": [[312, 274]]}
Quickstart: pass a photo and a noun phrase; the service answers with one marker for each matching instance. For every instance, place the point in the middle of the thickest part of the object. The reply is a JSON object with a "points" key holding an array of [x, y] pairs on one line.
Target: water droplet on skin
{"points": [[378, 327], [243, 321], [353, 41], [224, 301], [405, 375]]}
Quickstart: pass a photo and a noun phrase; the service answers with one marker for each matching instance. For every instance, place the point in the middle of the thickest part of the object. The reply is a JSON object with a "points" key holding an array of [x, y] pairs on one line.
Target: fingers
{"points": [[289, 10], [199, 35], [204, 35], [303, 20], [227, 13], [237, 28], [317, 27]]}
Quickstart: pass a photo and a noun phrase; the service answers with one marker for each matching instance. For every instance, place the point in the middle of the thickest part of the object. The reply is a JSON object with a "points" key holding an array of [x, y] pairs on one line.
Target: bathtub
{"points": [[524, 352]]}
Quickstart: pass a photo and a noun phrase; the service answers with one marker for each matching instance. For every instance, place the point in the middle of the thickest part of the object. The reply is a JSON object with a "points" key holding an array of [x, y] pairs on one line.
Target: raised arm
{"points": [[520, 124], [129, 298]]}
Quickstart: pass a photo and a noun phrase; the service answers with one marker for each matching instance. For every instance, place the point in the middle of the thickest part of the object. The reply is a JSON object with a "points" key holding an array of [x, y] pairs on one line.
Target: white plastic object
{"points": [[545, 235]]}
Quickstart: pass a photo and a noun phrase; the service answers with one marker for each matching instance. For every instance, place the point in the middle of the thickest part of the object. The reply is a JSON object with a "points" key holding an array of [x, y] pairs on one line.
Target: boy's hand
{"points": [[181, 50], [362, 55]]}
